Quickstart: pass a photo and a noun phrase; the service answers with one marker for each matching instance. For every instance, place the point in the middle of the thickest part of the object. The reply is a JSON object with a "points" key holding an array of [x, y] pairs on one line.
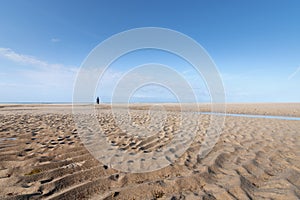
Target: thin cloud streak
{"points": [[42, 80], [294, 73], [29, 60], [54, 40]]}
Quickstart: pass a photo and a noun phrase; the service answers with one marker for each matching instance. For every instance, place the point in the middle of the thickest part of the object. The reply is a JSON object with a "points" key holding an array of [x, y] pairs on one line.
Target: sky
{"points": [[255, 46]]}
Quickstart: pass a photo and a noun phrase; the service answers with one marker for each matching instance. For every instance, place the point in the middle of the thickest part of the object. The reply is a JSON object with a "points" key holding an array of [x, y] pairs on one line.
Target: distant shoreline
{"points": [[105, 103], [271, 109]]}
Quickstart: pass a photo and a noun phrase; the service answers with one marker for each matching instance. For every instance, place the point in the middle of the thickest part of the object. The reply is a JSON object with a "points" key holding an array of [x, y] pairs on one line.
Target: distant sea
{"points": [[35, 102]]}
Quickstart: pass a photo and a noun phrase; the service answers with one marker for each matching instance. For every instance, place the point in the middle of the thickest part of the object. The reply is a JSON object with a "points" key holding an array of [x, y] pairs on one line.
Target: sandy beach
{"points": [[42, 155]]}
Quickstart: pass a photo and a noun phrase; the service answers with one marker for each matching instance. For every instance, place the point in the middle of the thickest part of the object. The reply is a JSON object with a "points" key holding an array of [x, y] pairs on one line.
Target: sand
{"points": [[43, 157]]}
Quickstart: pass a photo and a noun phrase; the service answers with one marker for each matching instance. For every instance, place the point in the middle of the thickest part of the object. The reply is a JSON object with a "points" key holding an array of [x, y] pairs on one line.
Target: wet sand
{"points": [[43, 157]]}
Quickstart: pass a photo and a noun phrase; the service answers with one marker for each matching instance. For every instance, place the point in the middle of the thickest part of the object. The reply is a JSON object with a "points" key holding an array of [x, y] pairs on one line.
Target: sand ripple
{"points": [[42, 156]]}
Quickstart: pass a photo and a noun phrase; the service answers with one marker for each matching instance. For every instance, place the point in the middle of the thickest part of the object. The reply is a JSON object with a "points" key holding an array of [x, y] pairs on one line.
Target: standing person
{"points": [[97, 100]]}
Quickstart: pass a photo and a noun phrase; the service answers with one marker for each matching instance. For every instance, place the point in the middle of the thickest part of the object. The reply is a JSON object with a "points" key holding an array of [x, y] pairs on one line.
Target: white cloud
{"points": [[26, 59], [19, 85], [56, 79], [33, 61], [36, 77], [54, 40], [294, 73]]}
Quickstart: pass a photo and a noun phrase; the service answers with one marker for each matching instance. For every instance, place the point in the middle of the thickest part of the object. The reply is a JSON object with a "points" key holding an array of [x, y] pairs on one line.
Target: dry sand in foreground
{"points": [[42, 156]]}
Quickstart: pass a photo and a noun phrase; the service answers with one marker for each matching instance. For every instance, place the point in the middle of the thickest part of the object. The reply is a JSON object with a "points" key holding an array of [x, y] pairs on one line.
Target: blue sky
{"points": [[255, 45]]}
